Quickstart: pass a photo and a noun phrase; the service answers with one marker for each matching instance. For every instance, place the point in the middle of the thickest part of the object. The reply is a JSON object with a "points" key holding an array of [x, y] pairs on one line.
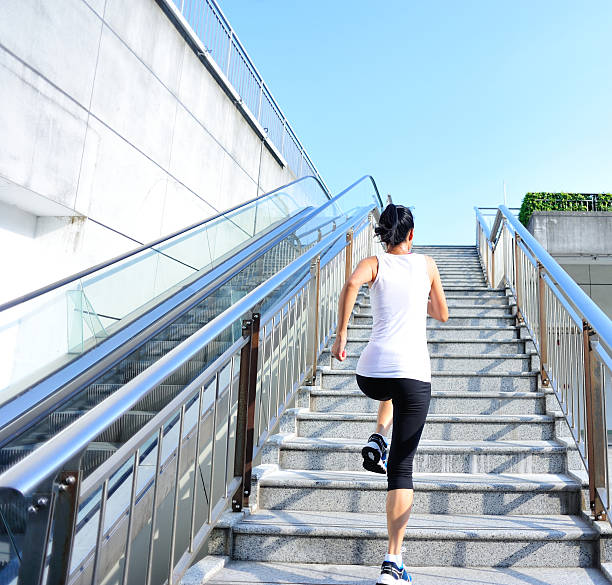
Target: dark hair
{"points": [[394, 224]]}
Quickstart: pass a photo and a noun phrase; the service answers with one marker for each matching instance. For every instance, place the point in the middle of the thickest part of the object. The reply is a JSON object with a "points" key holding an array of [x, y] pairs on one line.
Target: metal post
{"points": [[595, 424], [542, 326], [229, 53], [348, 265], [486, 251], [493, 248], [517, 277], [130, 527], [313, 321], [64, 525], [260, 100], [177, 484], [245, 418], [38, 525]]}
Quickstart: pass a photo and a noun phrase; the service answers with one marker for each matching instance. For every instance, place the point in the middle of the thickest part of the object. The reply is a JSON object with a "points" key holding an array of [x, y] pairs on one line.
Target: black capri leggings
{"points": [[410, 405]]}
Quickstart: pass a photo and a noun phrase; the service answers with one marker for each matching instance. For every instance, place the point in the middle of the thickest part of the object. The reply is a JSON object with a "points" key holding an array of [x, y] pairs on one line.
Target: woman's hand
{"points": [[338, 348]]}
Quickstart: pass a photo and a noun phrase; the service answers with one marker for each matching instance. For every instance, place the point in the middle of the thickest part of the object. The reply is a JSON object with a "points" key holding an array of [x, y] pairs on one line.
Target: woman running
{"points": [[394, 367]]}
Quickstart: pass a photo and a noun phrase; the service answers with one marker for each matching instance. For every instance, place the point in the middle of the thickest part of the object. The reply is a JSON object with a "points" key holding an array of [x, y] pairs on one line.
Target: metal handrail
{"points": [[293, 331], [44, 461], [217, 43], [571, 334], [585, 306], [87, 271]]}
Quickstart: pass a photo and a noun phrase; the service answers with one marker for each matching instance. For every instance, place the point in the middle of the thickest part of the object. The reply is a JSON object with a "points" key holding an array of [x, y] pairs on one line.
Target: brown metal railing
{"points": [[571, 333]]}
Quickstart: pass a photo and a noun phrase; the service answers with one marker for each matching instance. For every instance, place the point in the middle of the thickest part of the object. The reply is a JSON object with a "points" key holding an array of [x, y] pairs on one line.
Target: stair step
{"points": [[435, 493], [465, 311], [450, 362], [432, 456], [459, 381], [457, 346], [467, 332], [267, 573], [452, 321], [322, 400], [449, 427], [453, 540]]}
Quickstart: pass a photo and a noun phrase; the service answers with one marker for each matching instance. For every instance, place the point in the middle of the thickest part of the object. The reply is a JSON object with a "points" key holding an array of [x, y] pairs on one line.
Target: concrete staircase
{"points": [[495, 498]]}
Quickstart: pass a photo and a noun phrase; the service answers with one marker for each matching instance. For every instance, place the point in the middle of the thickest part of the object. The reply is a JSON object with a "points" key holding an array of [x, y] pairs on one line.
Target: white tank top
{"points": [[398, 343]]}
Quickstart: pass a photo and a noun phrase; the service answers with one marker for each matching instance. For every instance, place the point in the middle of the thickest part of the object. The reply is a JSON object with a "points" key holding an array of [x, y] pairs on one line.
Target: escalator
{"points": [[78, 344]]}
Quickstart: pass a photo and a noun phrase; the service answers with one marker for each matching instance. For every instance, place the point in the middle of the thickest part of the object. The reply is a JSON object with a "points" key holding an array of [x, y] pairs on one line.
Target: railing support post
{"points": [[245, 423], [486, 255], [595, 424], [64, 526], [313, 323], [348, 264], [542, 326], [493, 265], [517, 278], [36, 541]]}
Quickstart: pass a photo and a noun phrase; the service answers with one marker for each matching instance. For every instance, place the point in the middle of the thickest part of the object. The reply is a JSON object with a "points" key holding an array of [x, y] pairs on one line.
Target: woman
{"points": [[394, 367]]}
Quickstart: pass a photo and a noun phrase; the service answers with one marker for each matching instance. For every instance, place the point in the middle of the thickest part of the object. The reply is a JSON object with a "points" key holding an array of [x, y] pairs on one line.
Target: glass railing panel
{"points": [[13, 519], [77, 316]]}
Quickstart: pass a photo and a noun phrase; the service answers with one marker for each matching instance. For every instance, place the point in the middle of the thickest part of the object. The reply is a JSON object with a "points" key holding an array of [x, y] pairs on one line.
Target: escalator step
{"points": [[153, 402]]}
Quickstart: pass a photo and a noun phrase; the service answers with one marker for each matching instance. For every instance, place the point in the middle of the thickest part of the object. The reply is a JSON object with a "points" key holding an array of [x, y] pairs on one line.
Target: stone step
{"points": [[436, 493], [475, 300], [358, 319], [448, 427], [471, 301], [452, 333], [463, 311], [462, 281], [322, 400], [457, 346], [460, 270], [481, 291], [263, 573], [432, 456], [457, 381], [453, 540], [449, 362]]}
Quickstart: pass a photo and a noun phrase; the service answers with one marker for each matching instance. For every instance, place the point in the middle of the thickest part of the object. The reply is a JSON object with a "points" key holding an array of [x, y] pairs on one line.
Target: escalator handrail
{"points": [[227, 268], [45, 461], [87, 271]]}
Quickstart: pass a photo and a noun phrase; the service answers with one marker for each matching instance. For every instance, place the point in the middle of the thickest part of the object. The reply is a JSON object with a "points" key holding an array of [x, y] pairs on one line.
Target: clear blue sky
{"points": [[442, 101]]}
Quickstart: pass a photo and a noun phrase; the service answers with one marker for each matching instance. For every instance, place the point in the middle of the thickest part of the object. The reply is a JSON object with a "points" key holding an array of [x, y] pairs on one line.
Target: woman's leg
{"points": [[399, 505], [384, 418], [410, 406]]}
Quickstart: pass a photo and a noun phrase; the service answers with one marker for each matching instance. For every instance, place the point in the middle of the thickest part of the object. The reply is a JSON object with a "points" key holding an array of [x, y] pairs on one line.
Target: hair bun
{"points": [[394, 224]]}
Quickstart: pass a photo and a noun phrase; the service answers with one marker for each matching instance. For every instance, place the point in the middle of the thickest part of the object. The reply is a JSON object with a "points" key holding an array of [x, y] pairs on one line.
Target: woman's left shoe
{"points": [[375, 454], [390, 573]]}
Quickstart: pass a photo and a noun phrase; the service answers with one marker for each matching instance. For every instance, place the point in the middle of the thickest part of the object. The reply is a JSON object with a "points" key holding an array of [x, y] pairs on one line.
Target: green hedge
{"points": [[561, 202]]}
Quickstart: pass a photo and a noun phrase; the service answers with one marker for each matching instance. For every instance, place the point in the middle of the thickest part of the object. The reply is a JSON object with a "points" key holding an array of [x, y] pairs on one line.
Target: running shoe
{"points": [[390, 573], [375, 454]]}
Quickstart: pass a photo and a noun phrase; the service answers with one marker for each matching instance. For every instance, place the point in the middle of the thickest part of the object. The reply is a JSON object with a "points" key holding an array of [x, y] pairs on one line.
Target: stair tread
{"points": [[347, 371], [517, 355], [427, 526], [519, 482], [515, 445], [317, 391], [271, 573], [431, 417]]}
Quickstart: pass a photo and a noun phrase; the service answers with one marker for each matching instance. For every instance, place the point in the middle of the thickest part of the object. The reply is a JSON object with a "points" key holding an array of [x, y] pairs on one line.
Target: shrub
{"points": [[563, 202]]}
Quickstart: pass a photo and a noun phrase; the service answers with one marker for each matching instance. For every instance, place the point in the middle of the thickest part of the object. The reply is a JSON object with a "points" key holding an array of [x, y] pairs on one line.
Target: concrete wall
{"points": [[581, 241], [114, 134]]}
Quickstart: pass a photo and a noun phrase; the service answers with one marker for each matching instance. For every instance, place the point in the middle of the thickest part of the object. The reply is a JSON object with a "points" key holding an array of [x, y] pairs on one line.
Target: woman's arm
{"points": [[364, 272], [436, 306]]}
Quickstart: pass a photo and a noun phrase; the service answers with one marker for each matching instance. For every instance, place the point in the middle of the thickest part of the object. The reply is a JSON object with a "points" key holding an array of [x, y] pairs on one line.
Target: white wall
{"points": [[113, 133]]}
